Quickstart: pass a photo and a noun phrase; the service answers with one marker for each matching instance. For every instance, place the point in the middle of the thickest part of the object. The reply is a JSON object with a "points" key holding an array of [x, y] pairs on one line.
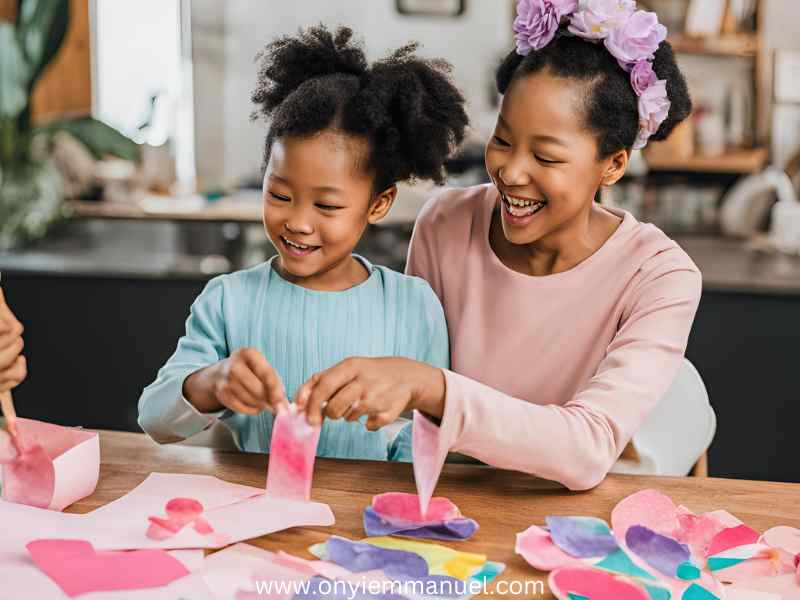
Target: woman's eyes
{"points": [[329, 207], [500, 141], [545, 161]]}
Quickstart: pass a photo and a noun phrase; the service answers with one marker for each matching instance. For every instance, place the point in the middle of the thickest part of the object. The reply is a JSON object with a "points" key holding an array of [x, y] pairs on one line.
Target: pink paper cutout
{"points": [[593, 584], [180, 513], [78, 569], [697, 531], [428, 456], [732, 537], [406, 507], [58, 466], [292, 453], [536, 546], [783, 537], [649, 508]]}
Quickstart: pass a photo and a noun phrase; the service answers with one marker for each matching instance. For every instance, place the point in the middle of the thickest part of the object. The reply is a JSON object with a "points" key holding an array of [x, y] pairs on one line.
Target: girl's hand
{"points": [[13, 368], [244, 382], [379, 387]]}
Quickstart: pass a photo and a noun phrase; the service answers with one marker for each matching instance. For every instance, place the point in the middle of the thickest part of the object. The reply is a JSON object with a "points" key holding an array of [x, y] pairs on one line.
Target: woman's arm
{"points": [[578, 442]]}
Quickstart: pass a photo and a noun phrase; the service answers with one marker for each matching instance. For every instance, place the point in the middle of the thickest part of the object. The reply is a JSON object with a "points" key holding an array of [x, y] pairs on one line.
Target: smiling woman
{"points": [[567, 321]]}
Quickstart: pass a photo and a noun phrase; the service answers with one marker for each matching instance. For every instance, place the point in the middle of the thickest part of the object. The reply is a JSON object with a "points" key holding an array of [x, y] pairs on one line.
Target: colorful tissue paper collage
{"points": [[655, 550]]}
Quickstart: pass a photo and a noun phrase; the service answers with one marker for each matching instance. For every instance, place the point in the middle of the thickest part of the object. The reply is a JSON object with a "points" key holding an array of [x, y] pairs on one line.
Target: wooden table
{"points": [[503, 502]]}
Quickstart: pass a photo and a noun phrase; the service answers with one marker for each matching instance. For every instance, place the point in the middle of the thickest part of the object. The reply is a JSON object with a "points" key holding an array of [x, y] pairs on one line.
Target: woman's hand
{"points": [[13, 368], [381, 388], [244, 382]]}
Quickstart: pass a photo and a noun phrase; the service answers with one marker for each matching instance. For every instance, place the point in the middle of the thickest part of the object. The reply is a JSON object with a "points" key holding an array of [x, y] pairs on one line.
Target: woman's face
{"points": [[317, 205], [542, 159]]}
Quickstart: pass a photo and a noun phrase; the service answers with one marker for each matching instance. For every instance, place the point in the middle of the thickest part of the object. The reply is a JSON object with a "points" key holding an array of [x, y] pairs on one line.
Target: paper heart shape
{"points": [[78, 569], [783, 537], [397, 513], [180, 513], [570, 583], [536, 546]]}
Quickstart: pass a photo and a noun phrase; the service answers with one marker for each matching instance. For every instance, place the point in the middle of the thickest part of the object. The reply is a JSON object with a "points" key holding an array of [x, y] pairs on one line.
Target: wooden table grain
{"points": [[503, 502]]}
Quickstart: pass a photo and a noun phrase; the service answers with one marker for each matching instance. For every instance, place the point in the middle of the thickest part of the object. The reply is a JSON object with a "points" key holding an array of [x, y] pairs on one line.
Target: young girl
{"points": [[568, 320], [341, 134]]}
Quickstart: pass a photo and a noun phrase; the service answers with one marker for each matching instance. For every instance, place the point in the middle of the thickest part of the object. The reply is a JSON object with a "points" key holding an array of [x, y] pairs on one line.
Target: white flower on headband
{"points": [[631, 36]]}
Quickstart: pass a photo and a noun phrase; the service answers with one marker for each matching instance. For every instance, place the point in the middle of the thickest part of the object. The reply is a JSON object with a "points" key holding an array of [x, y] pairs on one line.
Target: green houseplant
{"points": [[30, 187]]}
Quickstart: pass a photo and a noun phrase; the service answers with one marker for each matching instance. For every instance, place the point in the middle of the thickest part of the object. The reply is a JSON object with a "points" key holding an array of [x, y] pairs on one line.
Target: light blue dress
{"points": [[300, 332]]}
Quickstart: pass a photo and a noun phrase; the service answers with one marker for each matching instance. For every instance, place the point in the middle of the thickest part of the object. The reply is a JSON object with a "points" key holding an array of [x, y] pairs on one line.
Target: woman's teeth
{"points": [[522, 208]]}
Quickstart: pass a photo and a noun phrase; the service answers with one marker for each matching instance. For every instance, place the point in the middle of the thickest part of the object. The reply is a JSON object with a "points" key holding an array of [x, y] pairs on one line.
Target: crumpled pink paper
{"points": [[49, 466], [292, 453]]}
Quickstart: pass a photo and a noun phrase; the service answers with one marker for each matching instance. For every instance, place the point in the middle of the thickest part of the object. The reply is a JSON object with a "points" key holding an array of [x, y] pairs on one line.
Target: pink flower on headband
{"points": [[636, 39], [596, 18], [642, 76], [653, 110], [537, 22]]}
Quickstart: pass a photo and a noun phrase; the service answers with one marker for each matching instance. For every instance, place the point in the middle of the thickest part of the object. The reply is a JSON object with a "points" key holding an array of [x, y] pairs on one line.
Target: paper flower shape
{"points": [[397, 513], [49, 466], [661, 550], [180, 513]]}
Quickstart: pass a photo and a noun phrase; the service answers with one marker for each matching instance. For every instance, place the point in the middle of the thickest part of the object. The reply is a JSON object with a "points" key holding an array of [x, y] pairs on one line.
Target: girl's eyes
{"points": [[320, 205], [545, 161]]}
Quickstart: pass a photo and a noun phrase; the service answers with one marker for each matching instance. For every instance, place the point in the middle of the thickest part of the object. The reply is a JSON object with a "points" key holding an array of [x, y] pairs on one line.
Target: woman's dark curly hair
{"points": [[406, 107], [610, 105]]}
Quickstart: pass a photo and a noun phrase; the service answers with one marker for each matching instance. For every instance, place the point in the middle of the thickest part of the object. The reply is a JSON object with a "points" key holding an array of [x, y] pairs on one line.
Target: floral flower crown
{"points": [[631, 36]]}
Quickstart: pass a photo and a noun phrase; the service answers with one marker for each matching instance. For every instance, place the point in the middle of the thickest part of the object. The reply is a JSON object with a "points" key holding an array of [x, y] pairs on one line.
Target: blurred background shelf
{"points": [[735, 44], [745, 160]]}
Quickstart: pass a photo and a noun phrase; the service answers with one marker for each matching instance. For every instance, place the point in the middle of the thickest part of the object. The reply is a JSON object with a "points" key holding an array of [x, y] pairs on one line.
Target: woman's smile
{"points": [[518, 211]]}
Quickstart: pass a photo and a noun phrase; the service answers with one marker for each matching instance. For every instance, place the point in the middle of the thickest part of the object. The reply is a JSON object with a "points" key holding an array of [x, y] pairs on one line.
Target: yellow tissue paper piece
{"points": [[441, 559]]}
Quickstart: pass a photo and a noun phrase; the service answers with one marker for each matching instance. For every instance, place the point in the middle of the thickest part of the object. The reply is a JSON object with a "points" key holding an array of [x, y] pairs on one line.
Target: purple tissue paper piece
{"points": [[359, 557], [452, 530], [664, 554], [582, 537], [339, 591]]}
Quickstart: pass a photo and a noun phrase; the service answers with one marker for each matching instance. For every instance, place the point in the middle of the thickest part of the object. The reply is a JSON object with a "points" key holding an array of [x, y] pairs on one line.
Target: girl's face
{"points": [[317, 205], [543, 161]]}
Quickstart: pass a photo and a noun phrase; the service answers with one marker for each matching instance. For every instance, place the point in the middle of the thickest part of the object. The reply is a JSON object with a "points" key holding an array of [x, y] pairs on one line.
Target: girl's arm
{"points": [[578, 442], [164, 414]]}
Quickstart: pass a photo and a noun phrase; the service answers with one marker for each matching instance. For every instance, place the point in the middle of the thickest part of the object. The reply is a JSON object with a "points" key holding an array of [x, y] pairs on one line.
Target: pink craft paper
{"points": [[78, 569], [75, 456], [648, 508], [239, 512], [406, 508], [180, 513], [536, 546], [28, 472], [292, 452], [783, 537], [596, 585], [732, 537], [428, 456]]}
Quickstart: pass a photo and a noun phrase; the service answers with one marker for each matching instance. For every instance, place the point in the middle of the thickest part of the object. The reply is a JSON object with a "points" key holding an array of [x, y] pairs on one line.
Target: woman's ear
{"points": [[381, 205], [616, 165]]}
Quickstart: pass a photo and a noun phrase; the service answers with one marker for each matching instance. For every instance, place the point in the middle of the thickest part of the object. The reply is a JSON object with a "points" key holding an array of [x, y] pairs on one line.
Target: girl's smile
{"points": [[518, 211]]}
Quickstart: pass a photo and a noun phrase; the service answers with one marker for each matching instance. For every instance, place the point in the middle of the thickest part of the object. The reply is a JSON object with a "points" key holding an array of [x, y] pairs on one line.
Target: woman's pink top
{"points": [[553, 375]]}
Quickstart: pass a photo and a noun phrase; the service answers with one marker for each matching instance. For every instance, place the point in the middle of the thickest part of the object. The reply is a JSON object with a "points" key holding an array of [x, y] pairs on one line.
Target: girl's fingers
{"points": [[343, 401], [275, 393], [357, 411], [245, 397], [378, 420], [251, 384], [302, 395], [229, 397], [329, 383]]}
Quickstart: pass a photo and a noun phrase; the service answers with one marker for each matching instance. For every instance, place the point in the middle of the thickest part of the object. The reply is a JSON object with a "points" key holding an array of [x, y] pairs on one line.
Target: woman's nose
{"points": [[513, 173]]}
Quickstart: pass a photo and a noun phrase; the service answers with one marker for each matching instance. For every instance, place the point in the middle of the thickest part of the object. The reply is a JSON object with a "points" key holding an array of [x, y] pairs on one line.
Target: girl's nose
{"points": [[299, 224]]}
